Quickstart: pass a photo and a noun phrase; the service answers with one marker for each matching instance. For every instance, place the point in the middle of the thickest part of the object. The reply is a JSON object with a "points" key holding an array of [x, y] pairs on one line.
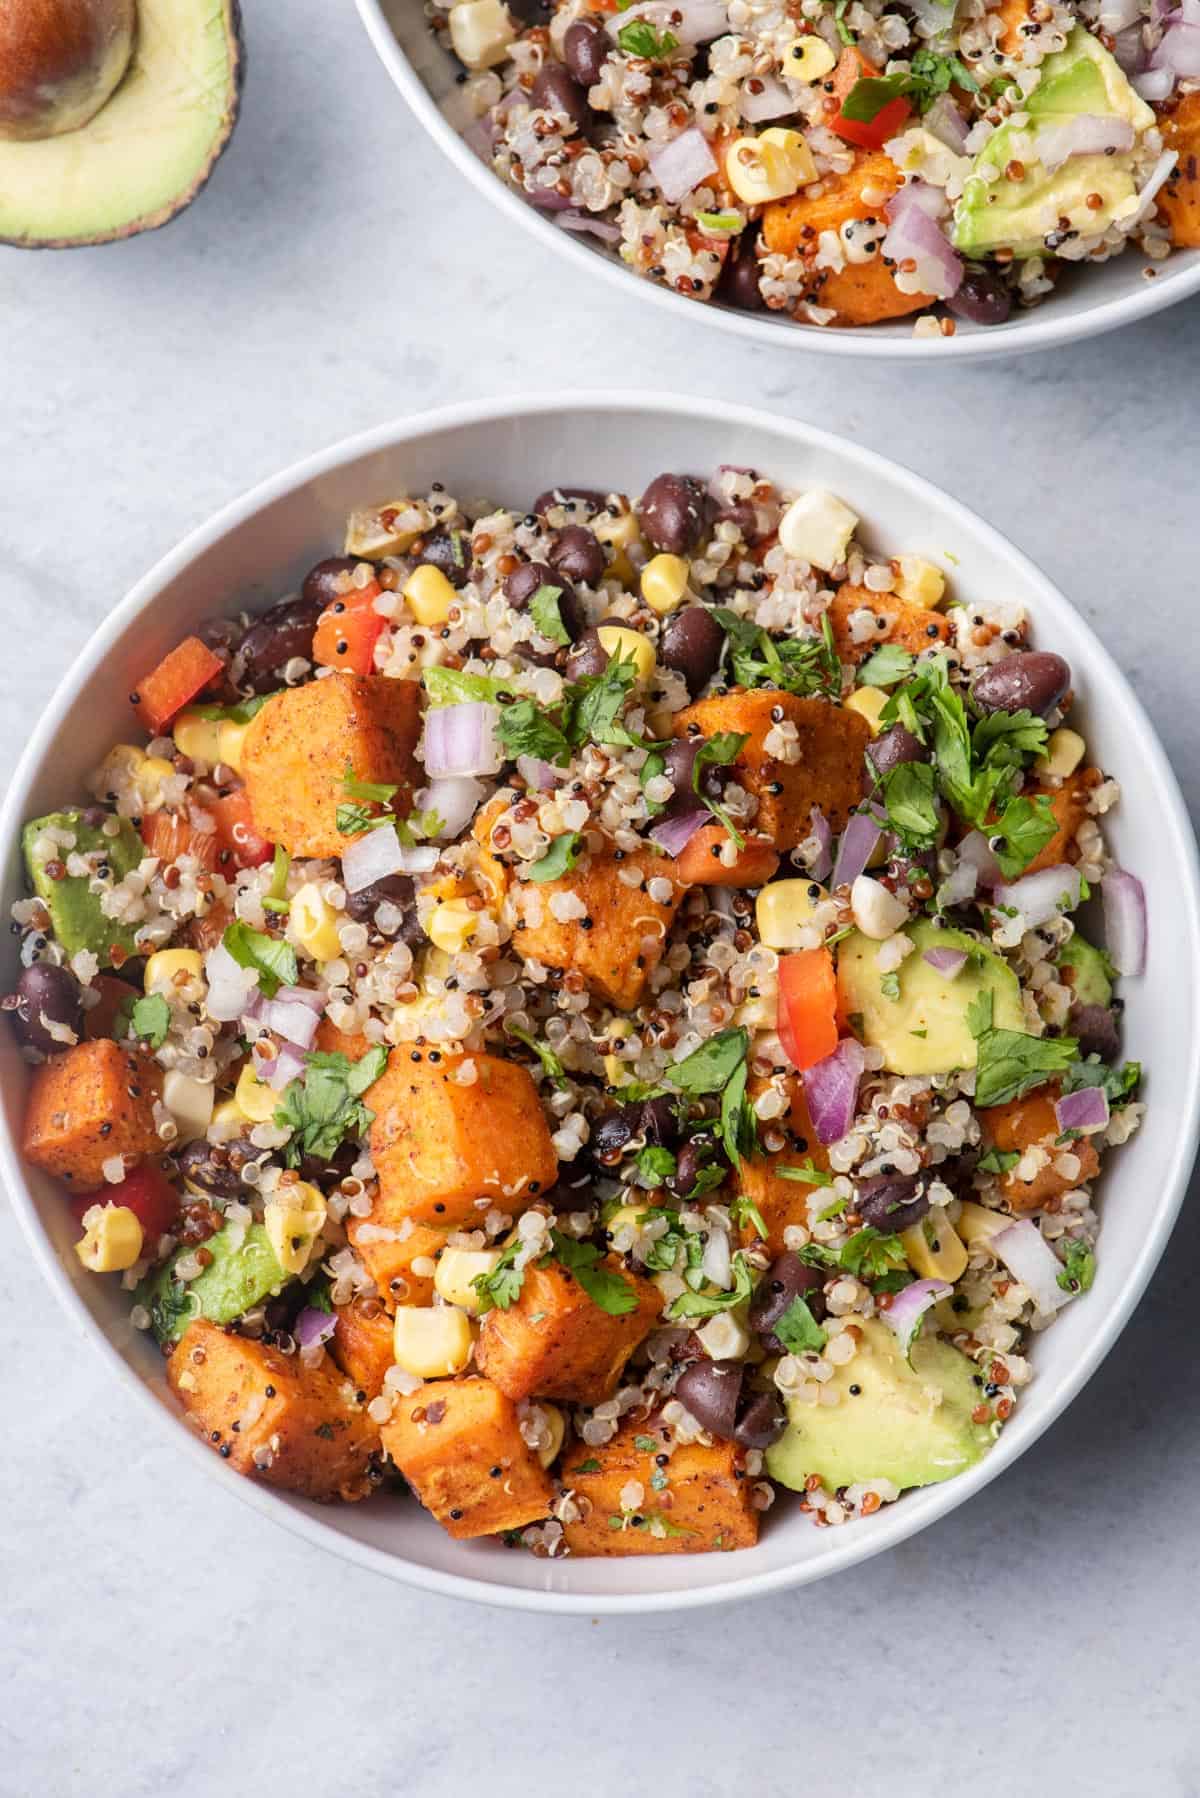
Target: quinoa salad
{"points": [[844, 161], [585, 1015]]}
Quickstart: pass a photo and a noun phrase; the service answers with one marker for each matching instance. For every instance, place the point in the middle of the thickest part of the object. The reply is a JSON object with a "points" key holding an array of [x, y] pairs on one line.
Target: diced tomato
{"points": [[348, 630], [807, 1006], [870, 134], [101, 1020], [146, 1192], [169, 835], [235, 829], [189, 668]]}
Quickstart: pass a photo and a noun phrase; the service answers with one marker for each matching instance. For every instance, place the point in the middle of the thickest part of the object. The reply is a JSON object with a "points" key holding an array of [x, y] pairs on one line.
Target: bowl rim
{"points": [[1182, 859], [1043, 328]]}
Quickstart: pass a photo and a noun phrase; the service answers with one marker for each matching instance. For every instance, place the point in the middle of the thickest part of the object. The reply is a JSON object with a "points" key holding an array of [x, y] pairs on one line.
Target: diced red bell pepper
{"points": [[348, 630], [807, 1022], [146, 1192], [169, 835], [236, 831], [189, 668], [870, 134]]}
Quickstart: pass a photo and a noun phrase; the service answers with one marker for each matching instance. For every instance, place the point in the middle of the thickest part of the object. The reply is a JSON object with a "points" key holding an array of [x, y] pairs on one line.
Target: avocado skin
{"points": [[1091, 982], [243, 1272], [896, 1427], [75, 913]]}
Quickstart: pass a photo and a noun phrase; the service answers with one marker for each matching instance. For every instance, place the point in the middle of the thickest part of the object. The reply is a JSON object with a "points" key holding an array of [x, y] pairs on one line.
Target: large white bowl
{"points": [[1091, 300], [256, 549]]}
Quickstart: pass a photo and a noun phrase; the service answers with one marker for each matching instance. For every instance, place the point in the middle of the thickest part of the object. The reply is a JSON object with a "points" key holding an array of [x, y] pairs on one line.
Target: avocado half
{"points": [[150, 149]]}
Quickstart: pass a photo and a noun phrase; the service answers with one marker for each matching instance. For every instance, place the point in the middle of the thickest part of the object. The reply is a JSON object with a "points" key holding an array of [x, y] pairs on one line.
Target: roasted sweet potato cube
{"points": [[861, 293], [1179, 197], [778, 1200], [556, 1342], [619, 936], [1069, 804], [332, 1041], [1030, 1123], [912, 627], [87, 1105], [706, 1503], [273, 1418], [455, 1135], [701, 862], [1015, 14], [362, 1343], [828, 751], [458, 1443], [297, 749], [397, 1253]]}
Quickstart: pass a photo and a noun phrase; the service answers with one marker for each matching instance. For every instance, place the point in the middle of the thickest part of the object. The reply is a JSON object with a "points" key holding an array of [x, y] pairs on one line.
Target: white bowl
{"points": [[256, 549], [1091, 300]]}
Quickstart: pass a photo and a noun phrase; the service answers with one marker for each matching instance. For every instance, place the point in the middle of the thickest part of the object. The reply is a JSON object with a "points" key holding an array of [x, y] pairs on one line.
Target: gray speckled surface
{"points": [[161, 1638]]}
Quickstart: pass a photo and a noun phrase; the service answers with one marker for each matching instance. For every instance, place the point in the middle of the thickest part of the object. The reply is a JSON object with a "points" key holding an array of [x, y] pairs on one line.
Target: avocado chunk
{"points": [[924, 1029], [908, 1424], [149, 149], [243, 1272], [1090, 971], [75, 913], [997, 212]]}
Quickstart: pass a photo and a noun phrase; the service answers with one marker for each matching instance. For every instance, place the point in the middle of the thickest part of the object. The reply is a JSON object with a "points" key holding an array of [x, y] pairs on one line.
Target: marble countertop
{"points": [[159, 1637]]}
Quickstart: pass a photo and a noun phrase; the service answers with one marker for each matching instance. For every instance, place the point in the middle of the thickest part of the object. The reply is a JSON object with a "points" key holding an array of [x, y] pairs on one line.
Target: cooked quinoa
{"points": [[586, 1011], [844, 161]]}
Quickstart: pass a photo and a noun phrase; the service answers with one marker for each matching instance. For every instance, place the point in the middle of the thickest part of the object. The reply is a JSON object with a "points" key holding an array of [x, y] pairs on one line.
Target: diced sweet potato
{"points": [[861, 293], [1069, 804], [362, 1343], [912, 627], [827, 771], [88, 1104], [778, 1200], [1014, 14], [389, 1257], [297, 749], [705, 1505], [622, 933], [273, 1418], [458, 1443], [332, 1041], [445, 1150], [1179, 197], [1030, 1123], [556, 1342], [701, 862]]}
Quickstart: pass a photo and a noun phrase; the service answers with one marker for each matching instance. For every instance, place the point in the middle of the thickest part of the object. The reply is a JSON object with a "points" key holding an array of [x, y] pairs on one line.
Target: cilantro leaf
{"points": [[719, 751], [909, 794], [1009, 1063], [150, 1018], [655, 1163], [639, 38], [613, 1294], [738, 1125], [381, 792], [807, 1174], [1021, 832], [888, 665], [595, 703], [325, 1106], [524, 729], [1079, 1269], [743, 1210], [798, 1329], [998, 1161], [551, 1065], [454, 686], [274, 961], [870, 94], [709, 1068], [241, 713], [703, 1304], [931, 74], [559, 859], [1119, 1084], [547, 618], [501, 1286], [870, 1254], [804, 666]]}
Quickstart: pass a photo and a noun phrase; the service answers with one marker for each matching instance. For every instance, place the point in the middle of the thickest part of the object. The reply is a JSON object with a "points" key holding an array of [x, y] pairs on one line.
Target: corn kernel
{"points": [[313, 923], [198, 737], [664, 582], [868, 702], [619, 641], [481, 32], [556, 1423], [784, 909], [976, 1224], [456, 1272], [112, 1240], [817, 528], [616, 533], [1065, 750], [190, 1103], [624, 1217], [228, 1120], [724, 1337], [921, 584], [808, 58], [759, 171], [934, 1248], [294, 1217], [616, 1071], [452, 924], [431, 1341], [230, 743], [165, 966], [256, 1101], [125, 763], [795, 148], [429, 595]]}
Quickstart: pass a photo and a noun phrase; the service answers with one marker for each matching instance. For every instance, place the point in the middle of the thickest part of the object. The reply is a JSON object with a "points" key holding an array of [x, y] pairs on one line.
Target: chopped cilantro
{"points": [[608, 1290], [1021, 832], [806, 1173], [1119, 1084], [591, 1465], [998, 1161], [709, 1068], [1010, 1063], [719, 751], [241, 713], [454, 686], [889, 985], [559, 859], [798, 1329], [639, 38], [888, 665], [804, 666], [909, 794], [325, 1106], [501, 1286], [150, 1018], [1079, 1270], [524, 729], [655, 1164], [547, 618], [703, 1304], [552, 1067], [273, 961], [743, 1210]]}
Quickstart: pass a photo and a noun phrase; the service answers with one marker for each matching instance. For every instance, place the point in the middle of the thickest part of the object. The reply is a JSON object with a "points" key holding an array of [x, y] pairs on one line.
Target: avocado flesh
{"points": [[1082, 80], [75, 913], [243, 1272], [908, 1424], [924, 1030], [148, 151], [1090, 980]]}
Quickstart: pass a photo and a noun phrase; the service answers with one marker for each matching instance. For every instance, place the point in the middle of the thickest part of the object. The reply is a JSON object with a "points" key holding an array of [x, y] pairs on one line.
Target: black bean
{"points": [[46, 992], [585, 50], [274, 639], [524, 582], [691, 644], [738, 285], [674, 513], [762, 1421], [588, 657], [680, 759], [698, 1152], [395, 890], [611, 1135], [787, 1279], [323, 582], [532, 12], [556, 90], [449, 551], [710, 1390], [658, 1123], [557, 496], [328, 1174], [981, 298], [892, 747], [211, 1167], [573, 1189], [892, 1202], [1034, 680], [1096, 1028], [576, 553]]}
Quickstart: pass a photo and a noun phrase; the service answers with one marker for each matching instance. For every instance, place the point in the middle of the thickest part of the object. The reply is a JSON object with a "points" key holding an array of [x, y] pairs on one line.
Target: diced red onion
{"points": [[682, 164], [1129, 50], [947, 962], [1030, 1259], [295, 1022], [856, 848], [1085, 1110], [691, 21], [772, 101], [947, 124], [1125, 932], [717, 1263], [461, 739], [231, 988], [588, 225], [312, 1326], [674, 834], [1154, 85], [831, 1089], [1147, 194], [1119, 15], [283, 1068], [959, 886], [303, 995], [546, 199], [371, 857], [539, 776], [455, 799], [976, 852], [1041, 896], [1180, 49], [822, 830], [1084, 135], [913, 232], [909, 1306]]}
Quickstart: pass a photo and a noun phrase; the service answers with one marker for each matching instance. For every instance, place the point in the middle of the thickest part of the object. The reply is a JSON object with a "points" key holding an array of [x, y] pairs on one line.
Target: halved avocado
{"points": [[148, 151]]}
